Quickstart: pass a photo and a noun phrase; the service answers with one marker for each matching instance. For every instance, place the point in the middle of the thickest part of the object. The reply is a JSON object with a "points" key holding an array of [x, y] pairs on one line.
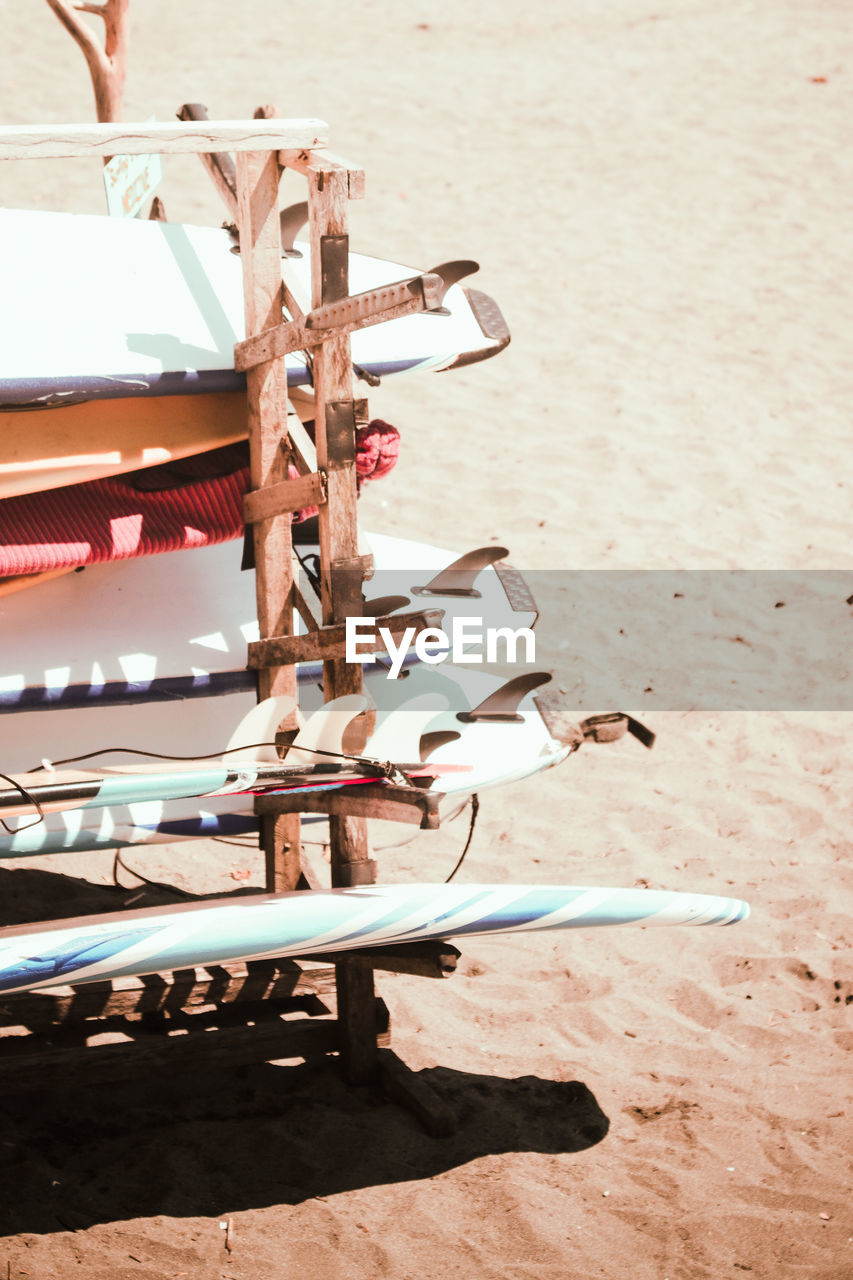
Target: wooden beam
{"points": [[415, 805], [258, 176], [65, 141], [220, 165], [408, 1089], [432, 959], [329, 643], [321, 161], [51, 1065], [287, 495], [360, 311], [190, 989]]}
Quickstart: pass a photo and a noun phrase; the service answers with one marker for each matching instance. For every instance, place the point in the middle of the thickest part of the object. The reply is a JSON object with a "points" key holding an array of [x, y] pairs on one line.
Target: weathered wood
{"points": [[328, 193], [219, 164], [360, 311], [303, 453], [330, 641], [258, 176], [404, 1086], [189, 989], [29, 1065], [322, 161], [432, 959], [287, 495], [413, 805], [65, 141], [357, 1021]]}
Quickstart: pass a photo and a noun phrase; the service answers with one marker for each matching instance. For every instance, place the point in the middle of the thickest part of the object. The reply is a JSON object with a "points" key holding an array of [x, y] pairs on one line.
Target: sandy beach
{"points": [[660, 203]]}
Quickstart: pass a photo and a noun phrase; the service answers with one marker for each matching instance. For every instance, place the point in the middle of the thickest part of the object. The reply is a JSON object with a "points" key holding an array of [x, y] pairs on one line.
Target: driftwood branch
{"points": [[107, 65]]}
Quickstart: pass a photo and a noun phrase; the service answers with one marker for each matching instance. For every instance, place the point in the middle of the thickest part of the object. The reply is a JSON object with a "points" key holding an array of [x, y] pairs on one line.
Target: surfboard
{"points": [[119, 944], [145, 309], [494, 750], [50, 448], [173, 629], [46, 449], [314, 760]]}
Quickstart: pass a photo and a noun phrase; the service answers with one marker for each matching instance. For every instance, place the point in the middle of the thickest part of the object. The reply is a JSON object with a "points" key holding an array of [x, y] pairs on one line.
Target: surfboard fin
{"points": [[459, 577], [502, 705], [383, 605], [292, 219], [451, 273], [400, 733], [260, 725], [324, 730], [438, 738]]}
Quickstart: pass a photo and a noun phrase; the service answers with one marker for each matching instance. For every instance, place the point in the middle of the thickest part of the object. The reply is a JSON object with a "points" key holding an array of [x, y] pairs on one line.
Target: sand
{"points": [[660, 203]]}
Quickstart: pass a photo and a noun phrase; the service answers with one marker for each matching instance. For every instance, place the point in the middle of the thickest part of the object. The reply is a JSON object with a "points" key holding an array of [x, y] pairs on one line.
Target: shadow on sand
{"points": [[226, 1141]]}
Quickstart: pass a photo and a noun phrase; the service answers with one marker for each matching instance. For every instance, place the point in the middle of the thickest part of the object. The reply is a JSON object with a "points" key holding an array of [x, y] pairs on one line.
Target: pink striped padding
{"points": [[111, 520], [166, 508]]}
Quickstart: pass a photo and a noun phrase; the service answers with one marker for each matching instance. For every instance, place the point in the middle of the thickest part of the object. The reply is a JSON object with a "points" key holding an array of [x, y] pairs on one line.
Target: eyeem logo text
{"points": [[434, 645]]}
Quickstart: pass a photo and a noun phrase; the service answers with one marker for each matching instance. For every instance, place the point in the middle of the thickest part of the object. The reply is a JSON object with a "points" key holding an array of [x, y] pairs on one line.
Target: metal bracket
{"points": [[334, 268], [341, 418]]}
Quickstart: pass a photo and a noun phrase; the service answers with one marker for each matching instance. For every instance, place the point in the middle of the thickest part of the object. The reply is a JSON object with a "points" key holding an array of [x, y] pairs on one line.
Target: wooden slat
{"points": [[433, 959], [52, 1066], [416, 806], [167, 992], [330, 642], [321, 160], [219, 165], [404, 1086], [287, 495], [258, 176], [375, 306], [303, 453], [171, 137], [328, 193]]}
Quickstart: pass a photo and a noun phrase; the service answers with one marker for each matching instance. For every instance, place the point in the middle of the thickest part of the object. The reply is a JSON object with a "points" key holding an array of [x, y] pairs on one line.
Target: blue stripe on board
{"points": [[45, 392], [264, 923], [530, 906], [76, 954], [397, 913], [214, 684], [116, 693]]}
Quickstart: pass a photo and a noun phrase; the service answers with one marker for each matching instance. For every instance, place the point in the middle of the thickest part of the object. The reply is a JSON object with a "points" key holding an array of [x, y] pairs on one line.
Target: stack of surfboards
{"points": [[131, 365], [132, 362]]}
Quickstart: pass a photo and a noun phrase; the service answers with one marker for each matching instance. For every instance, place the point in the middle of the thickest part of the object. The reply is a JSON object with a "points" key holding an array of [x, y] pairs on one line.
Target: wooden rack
{"points": [[358, 1026]]}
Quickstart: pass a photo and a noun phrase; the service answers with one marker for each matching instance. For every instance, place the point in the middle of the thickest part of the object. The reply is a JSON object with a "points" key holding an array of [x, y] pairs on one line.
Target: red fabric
{"points": [[377, 450], [111, 520], [160, 509]]}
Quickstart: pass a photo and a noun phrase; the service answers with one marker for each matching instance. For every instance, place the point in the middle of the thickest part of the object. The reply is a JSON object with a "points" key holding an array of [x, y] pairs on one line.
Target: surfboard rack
{"points": [[327, 479], [326, 469]]}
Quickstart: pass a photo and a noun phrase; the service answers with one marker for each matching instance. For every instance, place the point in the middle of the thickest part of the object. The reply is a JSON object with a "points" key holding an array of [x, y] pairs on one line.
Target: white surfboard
{"points": [[168, 635], [495, 752], [147, 940], [99, 307]]}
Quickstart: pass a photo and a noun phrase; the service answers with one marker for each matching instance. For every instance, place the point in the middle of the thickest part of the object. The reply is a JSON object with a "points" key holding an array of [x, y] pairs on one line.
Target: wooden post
{"points": [[258, 175], [335, 428]]}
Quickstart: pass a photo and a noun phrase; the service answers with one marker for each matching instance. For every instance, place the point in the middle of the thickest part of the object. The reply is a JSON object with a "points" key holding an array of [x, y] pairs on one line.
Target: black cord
{"points": [[153, 884], [213, 755], [30, 799], [475, 809]]}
